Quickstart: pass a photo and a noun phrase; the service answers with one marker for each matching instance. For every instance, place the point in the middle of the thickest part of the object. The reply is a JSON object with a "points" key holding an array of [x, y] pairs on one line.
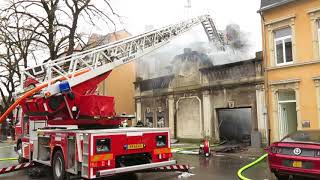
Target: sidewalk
{"points": [[9, 142]]}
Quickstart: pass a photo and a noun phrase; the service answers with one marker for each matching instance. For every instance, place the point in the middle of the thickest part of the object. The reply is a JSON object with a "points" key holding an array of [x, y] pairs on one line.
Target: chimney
{"points": [[187, 50]]}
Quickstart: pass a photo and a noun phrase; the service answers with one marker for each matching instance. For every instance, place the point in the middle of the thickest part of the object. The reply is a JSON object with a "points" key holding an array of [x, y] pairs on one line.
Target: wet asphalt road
{"points": [[220, 167]]}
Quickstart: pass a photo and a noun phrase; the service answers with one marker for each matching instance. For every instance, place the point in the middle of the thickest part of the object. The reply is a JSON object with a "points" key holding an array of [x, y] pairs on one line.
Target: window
{"points": [[286, 96], [26, 125], [17, 116], [103, 145], [161, 141], [303, 137], [283, 46]]}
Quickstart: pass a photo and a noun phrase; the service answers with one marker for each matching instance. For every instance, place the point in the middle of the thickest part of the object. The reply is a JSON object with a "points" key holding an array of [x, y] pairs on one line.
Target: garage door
{"points": [[188, 118], [235, 124]]}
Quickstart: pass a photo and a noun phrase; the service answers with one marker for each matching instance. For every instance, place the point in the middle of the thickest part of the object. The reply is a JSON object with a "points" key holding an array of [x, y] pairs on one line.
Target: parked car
{"points": [[296, 154]]}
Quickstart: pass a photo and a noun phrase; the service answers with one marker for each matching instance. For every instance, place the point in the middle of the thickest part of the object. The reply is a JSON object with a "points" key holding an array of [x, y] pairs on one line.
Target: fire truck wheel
{"points": [[131, 176], [58, 165]]}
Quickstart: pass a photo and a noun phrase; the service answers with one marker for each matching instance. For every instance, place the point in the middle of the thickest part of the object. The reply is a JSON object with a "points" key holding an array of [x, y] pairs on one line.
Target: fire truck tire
{"points": [[19, 151], [131, 176], [58, 166]]}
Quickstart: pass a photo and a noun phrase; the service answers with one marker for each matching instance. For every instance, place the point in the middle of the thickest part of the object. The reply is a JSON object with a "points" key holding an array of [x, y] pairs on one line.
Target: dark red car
{"points": [[296, 154]]}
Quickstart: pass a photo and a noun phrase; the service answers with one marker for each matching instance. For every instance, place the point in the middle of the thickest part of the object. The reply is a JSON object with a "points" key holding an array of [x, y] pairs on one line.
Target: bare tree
{"points": [[15, 43], [31, 28], [56, 22]]}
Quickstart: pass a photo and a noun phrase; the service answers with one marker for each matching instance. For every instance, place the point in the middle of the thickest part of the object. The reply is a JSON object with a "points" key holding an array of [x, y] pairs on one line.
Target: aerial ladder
{"points": [[61, 92], [81, 67]]}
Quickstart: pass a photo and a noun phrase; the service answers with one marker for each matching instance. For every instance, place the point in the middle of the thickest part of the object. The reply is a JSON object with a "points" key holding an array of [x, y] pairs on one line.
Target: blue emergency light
{"points": [[64, 86]]}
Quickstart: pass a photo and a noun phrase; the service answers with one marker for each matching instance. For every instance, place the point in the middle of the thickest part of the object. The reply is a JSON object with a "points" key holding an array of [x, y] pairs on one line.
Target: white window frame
{"points": [[280, 123], [287, 101], [283, 49]]}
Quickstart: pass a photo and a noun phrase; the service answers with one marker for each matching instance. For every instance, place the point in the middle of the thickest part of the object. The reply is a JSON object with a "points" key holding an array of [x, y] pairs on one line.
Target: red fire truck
{"points": [[62, 123]]}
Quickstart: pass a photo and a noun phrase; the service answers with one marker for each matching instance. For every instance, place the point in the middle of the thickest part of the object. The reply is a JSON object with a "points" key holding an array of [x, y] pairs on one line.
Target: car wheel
{"points": [[58, 166], [281, 176]]}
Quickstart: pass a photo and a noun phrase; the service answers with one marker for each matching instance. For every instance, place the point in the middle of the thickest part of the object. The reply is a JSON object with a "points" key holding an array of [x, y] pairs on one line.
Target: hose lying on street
{"points": [[195, 147], [248, 166], [8, 159]]}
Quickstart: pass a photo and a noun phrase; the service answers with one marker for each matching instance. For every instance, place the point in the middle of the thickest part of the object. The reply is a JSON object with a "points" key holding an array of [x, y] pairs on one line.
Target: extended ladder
{"points": [[83, 66], [212, 33]]}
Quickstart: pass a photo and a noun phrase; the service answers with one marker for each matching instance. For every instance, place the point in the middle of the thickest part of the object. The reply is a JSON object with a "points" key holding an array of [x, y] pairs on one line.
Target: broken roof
{"points": [[269, 4]]}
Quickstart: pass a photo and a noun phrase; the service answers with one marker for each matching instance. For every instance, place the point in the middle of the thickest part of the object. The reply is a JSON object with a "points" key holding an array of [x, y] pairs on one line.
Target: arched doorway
{"points": [[189, 118]]}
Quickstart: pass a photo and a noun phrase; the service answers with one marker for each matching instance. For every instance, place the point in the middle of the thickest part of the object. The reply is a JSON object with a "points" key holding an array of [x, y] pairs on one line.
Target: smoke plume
{"points": [[193, 48]]}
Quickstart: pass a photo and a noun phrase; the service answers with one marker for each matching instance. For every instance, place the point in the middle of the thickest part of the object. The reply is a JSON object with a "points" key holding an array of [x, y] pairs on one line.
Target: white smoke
{"points": [[159, 62]]}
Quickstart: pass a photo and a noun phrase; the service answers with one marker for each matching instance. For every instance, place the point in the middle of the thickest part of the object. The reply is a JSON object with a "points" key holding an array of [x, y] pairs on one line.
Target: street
{"points": [[219, 166]]}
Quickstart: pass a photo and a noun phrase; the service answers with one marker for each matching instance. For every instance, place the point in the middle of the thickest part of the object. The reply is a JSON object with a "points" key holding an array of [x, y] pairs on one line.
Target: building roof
{"points": [[98, 39], [269, 4], [155, 83], [233, 64]]}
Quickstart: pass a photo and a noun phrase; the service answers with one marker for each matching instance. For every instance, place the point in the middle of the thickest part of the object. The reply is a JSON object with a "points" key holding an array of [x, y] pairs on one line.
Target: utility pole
{"points": [[187, 9]]}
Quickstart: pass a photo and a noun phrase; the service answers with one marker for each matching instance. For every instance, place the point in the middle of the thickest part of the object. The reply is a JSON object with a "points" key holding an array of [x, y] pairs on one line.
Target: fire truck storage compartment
{"points": [[133, 159], [71, 154], [94, 105], [33, 107], [44, 148]]}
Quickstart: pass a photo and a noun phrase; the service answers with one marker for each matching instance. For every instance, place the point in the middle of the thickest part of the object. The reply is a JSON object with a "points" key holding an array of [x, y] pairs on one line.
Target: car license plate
{"points": [[297, 164], [135, 146]]}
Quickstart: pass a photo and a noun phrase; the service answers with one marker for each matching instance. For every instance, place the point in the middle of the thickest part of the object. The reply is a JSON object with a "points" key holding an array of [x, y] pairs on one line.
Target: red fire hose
{"points": [[20, 99]]}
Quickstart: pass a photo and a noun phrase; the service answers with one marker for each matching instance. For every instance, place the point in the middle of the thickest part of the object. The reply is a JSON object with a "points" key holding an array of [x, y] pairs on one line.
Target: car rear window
{"points": [[303, 137]]}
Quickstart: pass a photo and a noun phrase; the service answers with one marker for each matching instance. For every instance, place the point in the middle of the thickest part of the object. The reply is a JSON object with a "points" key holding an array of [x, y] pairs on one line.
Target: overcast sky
{"points": [[139, 13]]}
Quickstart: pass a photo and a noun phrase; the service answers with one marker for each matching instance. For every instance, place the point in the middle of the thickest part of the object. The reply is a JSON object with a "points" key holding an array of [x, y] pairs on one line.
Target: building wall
{"points": [[154, 105], [186, 110], [301, 75], [120, 82], [120, 85], [191, 108]]}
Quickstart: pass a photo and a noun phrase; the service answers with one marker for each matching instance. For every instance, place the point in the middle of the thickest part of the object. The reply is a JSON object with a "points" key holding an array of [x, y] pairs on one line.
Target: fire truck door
{"points": [[18, 122], [33, 126]]}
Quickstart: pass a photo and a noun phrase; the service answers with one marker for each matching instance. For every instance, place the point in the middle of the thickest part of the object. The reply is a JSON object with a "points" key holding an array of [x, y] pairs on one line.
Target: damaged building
{"points": [[198, 99]]}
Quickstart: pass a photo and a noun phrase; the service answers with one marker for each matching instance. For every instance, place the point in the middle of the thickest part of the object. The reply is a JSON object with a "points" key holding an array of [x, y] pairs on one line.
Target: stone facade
{"points": [[188, 99]]}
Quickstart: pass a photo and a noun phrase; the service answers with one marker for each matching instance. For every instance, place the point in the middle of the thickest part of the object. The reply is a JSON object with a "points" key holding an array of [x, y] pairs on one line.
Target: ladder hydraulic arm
{"points": [[86, 65], [104, 58]]}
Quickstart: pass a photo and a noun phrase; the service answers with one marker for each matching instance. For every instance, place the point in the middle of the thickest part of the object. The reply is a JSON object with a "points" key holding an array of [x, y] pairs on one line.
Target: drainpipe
{"points": [[265, 55]]}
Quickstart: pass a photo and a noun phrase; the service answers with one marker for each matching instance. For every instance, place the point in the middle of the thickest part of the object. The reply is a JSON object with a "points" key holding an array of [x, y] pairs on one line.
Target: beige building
{"points": [[291, 49], [120, 83]]}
